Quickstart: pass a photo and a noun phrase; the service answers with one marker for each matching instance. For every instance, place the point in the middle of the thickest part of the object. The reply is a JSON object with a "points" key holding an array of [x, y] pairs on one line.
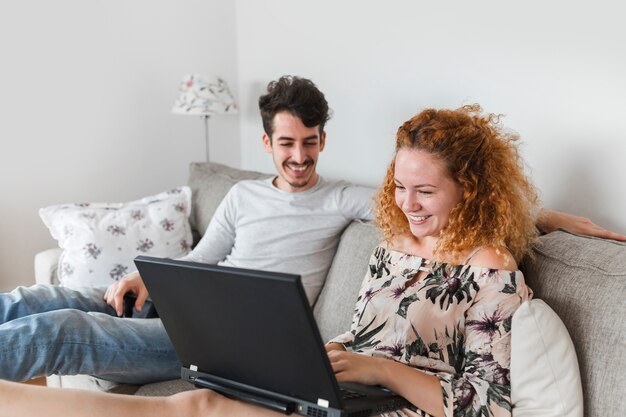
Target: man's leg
{"points": [[24, 301], [47, 329], [69, 342]]}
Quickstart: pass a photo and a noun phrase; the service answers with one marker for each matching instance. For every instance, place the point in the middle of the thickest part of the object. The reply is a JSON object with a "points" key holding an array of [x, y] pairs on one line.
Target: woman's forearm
{"points": [[420, 389]]}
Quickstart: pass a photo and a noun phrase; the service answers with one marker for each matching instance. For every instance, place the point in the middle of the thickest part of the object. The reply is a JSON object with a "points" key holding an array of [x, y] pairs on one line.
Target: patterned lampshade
{"points": [[204, 96]]}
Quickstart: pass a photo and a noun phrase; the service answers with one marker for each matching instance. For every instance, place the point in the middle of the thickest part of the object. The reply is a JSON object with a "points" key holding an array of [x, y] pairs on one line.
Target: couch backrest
{"points": [[583, 279], [334, 307], [209, 183]]}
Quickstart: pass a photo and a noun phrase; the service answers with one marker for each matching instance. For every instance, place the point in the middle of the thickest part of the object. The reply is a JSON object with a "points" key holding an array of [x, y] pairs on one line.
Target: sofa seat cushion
{"points": [[165, 388]]}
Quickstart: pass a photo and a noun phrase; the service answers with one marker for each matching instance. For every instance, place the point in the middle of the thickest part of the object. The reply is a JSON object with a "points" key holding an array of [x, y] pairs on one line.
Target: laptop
{"points": [[251, 335]]}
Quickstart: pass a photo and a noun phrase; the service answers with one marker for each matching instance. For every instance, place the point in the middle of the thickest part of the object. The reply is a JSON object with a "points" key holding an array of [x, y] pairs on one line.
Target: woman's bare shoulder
{"points": [[494, 258]]}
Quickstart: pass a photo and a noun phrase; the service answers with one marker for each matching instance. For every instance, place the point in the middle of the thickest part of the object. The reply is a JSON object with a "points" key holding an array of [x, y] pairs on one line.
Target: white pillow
{"points": [[100, 240], [545, 379]]}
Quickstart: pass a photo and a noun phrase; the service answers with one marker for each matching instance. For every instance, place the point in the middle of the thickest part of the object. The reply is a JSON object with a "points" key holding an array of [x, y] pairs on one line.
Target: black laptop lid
{"points": [[237, 324]]}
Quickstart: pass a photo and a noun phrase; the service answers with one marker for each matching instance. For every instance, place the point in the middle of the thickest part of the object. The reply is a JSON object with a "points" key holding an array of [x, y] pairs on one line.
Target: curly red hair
{"points": [[498, 200]]}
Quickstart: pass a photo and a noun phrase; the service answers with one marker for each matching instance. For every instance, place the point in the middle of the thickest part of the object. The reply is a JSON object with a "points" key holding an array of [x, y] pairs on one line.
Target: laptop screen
{"points": [[252, 327]]}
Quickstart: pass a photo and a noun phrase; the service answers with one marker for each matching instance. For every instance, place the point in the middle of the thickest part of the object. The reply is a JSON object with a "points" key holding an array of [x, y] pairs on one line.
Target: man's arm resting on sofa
{"points": [[550, 220]]}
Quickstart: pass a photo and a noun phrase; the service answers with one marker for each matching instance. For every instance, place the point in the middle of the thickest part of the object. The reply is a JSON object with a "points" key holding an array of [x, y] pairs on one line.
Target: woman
{"points": [[456, 212], [433, 316]]}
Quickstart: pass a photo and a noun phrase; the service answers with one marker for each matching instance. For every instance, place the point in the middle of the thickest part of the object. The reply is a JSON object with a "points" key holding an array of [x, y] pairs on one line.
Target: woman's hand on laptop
{"points": [[131, 283], [354, 367], [395, 376], [334, 346]]}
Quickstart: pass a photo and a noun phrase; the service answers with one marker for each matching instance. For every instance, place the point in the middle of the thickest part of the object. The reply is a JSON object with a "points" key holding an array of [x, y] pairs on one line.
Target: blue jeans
{"points": [[47, 330]]}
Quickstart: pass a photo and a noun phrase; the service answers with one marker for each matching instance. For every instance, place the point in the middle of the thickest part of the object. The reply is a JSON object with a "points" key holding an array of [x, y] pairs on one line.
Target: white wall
{"points": [[86, 89], [555, 69]]}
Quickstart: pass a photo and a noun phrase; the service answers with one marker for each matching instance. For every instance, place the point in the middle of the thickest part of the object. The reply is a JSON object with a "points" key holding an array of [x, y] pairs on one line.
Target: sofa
{"points": [[582, 279]]}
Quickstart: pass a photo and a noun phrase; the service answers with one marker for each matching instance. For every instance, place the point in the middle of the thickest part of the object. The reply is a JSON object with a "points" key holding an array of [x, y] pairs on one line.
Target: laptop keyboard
{"points": [[349, 394]]}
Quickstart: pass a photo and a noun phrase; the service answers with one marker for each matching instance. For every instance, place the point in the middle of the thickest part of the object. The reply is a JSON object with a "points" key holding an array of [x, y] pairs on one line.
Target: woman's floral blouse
{"points": [[454, 323]]}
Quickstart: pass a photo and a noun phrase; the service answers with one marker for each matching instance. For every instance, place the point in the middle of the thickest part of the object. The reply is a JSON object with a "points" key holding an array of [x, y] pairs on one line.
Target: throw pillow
{"points": [[545, 379], [100, 240]]}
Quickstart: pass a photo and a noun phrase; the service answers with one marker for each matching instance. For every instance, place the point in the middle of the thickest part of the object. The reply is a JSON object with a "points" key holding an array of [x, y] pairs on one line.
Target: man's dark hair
{"points": [[298, 96]]}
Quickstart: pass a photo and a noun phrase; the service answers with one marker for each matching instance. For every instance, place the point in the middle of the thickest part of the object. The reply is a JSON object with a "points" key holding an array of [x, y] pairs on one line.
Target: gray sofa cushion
{"points": [[584, 280], [209, 184], [165, 388], [334, 308]]}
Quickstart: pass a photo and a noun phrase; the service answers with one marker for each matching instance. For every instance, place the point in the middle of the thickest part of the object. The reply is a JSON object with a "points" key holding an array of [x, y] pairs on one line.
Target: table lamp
{"points": [[204, 96]]}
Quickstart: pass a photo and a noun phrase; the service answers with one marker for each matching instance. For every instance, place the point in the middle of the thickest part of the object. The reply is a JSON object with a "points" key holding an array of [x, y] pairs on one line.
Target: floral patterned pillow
{"points": [[100, 240]]}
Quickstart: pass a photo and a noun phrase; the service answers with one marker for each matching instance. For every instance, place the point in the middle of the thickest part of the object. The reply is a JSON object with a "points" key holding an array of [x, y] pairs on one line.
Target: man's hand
{"points": [[114, 295], [354, 367], [550, 220]]}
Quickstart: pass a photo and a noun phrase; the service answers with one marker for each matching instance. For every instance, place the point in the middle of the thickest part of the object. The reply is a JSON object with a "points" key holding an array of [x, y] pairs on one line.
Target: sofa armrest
{"points": [[46, 263]]}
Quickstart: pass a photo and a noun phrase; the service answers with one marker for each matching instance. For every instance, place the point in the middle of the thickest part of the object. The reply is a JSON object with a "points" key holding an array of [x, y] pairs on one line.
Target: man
{"points": [[290, 223]]}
